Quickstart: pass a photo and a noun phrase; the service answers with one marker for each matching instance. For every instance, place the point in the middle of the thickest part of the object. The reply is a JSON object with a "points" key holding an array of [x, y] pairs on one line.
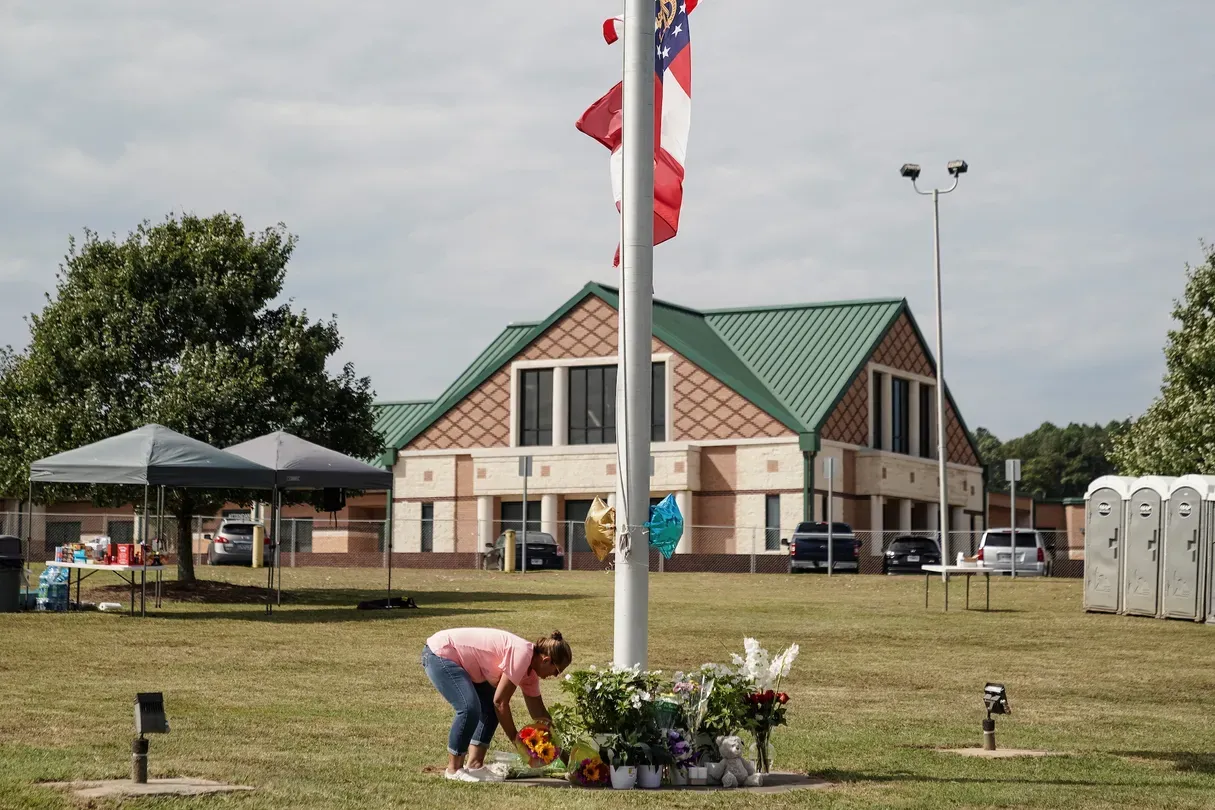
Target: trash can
{"points": [[11, 564]]}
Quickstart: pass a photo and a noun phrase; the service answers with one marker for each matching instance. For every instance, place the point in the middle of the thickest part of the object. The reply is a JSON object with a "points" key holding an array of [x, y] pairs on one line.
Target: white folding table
{"points": [[127, 573], [967, 571]]}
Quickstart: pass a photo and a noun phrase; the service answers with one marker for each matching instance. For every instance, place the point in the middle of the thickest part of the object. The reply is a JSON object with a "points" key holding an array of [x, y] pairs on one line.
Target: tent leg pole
{"points": [[270, 567], [278, 524], [143, 557]]}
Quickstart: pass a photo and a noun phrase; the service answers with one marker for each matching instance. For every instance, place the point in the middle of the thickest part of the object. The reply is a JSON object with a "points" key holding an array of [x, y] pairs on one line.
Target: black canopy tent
{"points": [[301, 464], [150, 456]]}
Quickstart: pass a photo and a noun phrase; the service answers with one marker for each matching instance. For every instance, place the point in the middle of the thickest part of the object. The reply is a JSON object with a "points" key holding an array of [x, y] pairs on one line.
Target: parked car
{"points": [[908, 553], [543, 553], [996, 551], [232, 544], [808, 547]]}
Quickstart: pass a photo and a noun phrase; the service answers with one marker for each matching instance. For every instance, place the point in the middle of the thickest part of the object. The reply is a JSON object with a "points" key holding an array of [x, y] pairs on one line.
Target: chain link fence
{"points": [[472, 544]]}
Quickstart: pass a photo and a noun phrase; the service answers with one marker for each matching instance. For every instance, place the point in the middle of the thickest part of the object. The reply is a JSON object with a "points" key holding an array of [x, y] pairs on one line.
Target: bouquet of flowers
{"points": [[765, 705], [590, 772], [536, 745], [679, 749]]}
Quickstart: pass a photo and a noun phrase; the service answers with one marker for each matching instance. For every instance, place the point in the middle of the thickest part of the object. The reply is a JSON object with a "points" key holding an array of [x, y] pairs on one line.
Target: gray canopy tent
{"points": [[150, 456], [301, 464]]}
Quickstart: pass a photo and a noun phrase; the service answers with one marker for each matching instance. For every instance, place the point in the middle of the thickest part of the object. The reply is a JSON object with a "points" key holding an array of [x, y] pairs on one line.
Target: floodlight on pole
{"points": [[912, 172]]}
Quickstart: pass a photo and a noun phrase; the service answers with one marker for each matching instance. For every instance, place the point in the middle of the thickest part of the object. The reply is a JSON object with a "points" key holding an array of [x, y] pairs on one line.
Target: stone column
{"points": [[876, 504], [485, 522], [905, 515], [548, 514], [934, 517], [683, 499], [959, 537]]}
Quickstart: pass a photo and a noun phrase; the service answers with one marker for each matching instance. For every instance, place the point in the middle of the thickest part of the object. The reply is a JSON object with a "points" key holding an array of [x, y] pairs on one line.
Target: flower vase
{"points": [[649, 777], [679, 776], [761, 751], [624, 777]]}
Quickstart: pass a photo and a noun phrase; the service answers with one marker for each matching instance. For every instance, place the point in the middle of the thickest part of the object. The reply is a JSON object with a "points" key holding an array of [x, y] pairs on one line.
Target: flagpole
{"points": [[635, 334]]}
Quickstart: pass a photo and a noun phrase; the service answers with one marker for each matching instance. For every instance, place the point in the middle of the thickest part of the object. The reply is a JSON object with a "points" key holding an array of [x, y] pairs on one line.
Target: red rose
{"points": [[783, 697], [769, 696]]}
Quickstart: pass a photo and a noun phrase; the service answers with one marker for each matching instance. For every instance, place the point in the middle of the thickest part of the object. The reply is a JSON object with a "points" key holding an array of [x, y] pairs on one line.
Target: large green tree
{"points": [[1177, 433], [177, 324], [1055, 462]]}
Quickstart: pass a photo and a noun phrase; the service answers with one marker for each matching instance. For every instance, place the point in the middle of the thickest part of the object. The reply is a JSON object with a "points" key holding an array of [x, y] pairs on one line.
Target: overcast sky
{"points": [[426, 156]]}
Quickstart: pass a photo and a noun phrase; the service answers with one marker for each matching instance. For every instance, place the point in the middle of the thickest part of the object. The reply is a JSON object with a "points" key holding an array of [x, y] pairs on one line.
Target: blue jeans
{"points": [[476, 719]]}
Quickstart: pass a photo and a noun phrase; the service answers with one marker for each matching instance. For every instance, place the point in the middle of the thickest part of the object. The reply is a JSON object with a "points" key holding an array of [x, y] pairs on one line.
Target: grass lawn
{"points": [[323, 706]]}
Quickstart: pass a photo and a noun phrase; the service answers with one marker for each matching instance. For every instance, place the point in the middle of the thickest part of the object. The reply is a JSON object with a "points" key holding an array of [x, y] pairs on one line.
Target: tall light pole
{"points": [[957, 168]]}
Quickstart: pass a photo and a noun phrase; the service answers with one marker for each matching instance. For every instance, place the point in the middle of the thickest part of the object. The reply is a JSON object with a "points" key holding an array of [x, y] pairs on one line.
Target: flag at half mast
{"points": [[672, 113]]}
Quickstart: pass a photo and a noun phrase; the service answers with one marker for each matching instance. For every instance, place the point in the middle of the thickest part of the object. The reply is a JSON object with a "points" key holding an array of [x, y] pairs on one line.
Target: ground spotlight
{"points": [[149, 719], [995, 699]]}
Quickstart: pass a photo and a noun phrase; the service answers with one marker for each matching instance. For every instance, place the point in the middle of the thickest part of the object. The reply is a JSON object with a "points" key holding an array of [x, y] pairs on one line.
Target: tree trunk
{"points": [[185, 540]]}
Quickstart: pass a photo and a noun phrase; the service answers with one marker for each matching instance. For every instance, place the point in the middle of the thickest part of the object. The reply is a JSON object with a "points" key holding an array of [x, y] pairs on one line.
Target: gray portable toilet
{"points": [[1187, 534], [1104, 534], [1145, 511]]}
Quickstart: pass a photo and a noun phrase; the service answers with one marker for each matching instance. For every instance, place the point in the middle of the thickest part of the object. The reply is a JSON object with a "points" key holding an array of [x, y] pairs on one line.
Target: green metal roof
{"points": [[794, 362], [394, 419], [807, 355]]}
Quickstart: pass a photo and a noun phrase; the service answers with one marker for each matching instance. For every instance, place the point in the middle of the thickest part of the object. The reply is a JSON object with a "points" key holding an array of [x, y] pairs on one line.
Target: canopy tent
{"points": [[152, 455], [301, 464]]}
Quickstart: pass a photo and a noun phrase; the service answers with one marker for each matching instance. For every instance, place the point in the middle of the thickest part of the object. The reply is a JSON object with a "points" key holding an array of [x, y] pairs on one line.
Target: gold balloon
{"points": [[601, 529]]}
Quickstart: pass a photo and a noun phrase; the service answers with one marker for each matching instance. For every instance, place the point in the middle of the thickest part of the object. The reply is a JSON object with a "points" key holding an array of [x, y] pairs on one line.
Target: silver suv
{"points": [[996, 551], [233, 543]]}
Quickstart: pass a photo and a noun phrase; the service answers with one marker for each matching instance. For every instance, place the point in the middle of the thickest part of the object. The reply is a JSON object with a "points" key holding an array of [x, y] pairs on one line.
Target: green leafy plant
{"points": [[613, 701]]}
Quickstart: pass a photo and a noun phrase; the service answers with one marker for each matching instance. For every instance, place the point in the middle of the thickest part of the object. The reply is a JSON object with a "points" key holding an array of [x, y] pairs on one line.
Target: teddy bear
{"points": [[733, 771]]}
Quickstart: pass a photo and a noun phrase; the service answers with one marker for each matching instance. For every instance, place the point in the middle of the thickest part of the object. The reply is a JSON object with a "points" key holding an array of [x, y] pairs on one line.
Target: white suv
{"points": [[996, 551]]}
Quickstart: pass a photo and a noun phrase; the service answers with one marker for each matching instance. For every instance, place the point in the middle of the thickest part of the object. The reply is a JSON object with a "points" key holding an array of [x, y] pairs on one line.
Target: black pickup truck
{"points": [[808, 548]]}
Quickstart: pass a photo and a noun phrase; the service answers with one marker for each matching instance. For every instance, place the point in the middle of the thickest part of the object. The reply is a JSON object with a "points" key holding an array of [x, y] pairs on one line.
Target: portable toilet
{"points": [[1104, 533], [1145, 511], [1187, 542]]}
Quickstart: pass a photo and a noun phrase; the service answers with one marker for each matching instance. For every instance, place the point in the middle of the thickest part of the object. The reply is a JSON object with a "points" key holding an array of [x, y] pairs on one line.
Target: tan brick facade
{"points": [[901, 349], [704, 408]]}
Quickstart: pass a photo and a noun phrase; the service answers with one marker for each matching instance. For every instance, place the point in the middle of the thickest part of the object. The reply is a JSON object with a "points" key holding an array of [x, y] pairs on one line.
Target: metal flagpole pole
{"points": [[942, 458], [631, 626]]}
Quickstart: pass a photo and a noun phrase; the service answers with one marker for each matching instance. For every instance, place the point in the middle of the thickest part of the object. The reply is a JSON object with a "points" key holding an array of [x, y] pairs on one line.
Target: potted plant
{"points": [[681, 755], [622, 753], [765, 704], [653, 760]]}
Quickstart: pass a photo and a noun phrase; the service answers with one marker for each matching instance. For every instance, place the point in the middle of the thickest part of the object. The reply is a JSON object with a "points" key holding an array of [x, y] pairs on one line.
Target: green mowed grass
{"points": [[324, 706]]}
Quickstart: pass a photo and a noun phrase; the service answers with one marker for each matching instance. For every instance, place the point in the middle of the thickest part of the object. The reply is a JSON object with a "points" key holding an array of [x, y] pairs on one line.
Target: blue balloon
{"points": [[666, 526]]}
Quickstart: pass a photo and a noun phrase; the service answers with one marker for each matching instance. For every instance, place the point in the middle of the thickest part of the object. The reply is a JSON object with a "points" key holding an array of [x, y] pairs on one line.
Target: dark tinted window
{"points": [[533, 539], [238, 530], [1024, 540], [913, 546], [819, 527]]}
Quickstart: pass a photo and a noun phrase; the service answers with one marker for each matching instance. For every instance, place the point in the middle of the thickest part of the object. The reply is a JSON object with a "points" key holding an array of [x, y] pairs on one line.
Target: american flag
{"points": [[672, 113]]}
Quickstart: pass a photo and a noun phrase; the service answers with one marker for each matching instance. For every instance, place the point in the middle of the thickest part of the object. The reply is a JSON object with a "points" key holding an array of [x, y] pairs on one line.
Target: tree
{"points": [[1055, 462], [176, 325], [1176, 435]]}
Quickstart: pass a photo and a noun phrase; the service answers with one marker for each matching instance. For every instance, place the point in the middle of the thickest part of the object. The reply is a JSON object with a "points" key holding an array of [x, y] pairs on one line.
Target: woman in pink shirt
{"points": [[477, 671]]}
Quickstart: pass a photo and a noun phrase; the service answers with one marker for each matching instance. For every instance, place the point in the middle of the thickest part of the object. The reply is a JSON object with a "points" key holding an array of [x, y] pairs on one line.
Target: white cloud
{"points": [[428, 160]]}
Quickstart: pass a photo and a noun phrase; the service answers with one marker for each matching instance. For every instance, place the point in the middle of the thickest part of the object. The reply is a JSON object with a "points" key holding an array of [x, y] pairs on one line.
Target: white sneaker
{"points": [[483, 774], [459, 776]]}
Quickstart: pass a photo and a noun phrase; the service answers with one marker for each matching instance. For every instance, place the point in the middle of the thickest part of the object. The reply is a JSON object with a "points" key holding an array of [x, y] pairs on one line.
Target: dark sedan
{"points": [[543, 553], [907, 554]]}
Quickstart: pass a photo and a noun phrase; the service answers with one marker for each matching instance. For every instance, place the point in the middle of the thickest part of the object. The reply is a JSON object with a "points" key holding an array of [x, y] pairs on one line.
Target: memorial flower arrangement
{"points": [[536, 745], [765, 705], [623, 717]]}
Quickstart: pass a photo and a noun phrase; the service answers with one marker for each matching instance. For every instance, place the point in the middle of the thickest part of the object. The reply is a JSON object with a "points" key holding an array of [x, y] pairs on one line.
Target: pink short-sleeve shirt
{"points": [[487, 654]]}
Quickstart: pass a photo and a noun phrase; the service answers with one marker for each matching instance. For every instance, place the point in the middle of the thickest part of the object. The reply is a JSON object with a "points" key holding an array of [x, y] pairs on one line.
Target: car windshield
{"points": [[533, 539], [914, 546], [1003, 539], [238, 529], [821, 528]]}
